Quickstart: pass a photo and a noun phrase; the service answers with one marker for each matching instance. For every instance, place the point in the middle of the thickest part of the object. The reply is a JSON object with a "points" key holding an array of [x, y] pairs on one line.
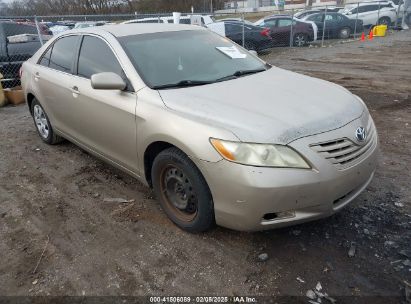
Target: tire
{"points": [[300, 39], [43, 125], [344, 33], [384, 20], [182, 191]]}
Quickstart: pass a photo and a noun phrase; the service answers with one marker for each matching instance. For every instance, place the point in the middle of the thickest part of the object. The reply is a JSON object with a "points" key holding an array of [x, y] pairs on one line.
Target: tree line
{"points": [[85, 7]]}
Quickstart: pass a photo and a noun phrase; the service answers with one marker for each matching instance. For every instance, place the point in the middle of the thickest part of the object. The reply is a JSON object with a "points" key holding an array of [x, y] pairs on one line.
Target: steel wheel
{"points": [[178, 193], [41, 121], [300, 40]]}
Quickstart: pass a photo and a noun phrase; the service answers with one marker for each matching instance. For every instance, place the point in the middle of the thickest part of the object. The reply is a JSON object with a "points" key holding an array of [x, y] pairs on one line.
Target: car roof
{"points": [[122, 30], [367, 3], [278, 16]]}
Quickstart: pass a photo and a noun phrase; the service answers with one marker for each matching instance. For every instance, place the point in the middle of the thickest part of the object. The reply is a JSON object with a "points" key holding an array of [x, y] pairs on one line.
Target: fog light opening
{"points": [[278, 216], [270, 216]]}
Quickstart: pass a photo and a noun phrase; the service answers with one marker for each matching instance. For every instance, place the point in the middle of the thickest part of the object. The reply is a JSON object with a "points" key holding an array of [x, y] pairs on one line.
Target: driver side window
{"points": [[90, 63]]}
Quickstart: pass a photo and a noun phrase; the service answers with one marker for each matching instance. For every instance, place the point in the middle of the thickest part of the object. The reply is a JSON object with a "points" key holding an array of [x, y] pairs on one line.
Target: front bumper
{"points": [[244, 195]]}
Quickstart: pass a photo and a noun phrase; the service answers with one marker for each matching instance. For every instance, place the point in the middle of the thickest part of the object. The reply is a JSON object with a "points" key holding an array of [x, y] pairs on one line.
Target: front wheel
{"points": [[182, 190], [300, 39]]}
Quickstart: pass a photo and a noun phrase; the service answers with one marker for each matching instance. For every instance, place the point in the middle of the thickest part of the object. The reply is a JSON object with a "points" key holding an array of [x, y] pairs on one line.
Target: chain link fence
{"points": [[259, 26]]}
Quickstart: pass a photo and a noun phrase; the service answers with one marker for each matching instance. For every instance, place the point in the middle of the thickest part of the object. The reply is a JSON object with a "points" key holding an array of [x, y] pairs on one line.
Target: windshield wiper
{"points": [[182, 84], [192, 83], [240, 73]]}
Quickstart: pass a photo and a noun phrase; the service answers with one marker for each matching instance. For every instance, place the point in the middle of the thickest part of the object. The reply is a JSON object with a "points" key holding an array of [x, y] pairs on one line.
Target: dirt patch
{"points": [[104, 248]]}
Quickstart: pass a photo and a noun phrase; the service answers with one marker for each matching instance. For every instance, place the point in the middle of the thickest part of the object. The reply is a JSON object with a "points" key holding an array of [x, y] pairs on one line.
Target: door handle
{"points": [[37, 76], [75, 90]]}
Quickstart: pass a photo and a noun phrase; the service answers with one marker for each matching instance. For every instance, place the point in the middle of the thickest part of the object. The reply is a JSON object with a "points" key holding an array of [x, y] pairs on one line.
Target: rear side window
{"points": [[316, 18], [270, 22], [89, 63], [63, 52], [284, 22]]}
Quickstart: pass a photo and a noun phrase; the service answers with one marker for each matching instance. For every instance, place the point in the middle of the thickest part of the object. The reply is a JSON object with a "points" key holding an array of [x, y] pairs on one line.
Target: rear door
{"points": [[331, 25], [53, 76], [276, 33], [103, 120], [318, 19], [283, 30]]}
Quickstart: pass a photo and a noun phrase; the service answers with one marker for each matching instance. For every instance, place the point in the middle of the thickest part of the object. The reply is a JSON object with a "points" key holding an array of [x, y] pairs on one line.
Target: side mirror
{"points": [[107, 81], [253, 52], [349, 13]]}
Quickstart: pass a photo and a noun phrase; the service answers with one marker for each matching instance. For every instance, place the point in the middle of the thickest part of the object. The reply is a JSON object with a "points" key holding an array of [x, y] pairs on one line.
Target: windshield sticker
{"points": [[231, 52]]}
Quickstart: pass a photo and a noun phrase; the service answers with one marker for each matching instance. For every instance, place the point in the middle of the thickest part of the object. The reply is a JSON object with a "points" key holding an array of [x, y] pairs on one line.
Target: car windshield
{"points": [[187, 58]]}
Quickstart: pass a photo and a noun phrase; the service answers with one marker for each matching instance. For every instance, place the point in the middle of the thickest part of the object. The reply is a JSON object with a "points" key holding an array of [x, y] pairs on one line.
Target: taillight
{"points": [[265, 32], [21, 72]]}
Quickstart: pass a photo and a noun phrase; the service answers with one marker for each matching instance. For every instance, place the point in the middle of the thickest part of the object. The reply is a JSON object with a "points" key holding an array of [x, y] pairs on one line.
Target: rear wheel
{"points": [[344, 33], [43, 125], [182, 190], [300, 39], [384, 21]]}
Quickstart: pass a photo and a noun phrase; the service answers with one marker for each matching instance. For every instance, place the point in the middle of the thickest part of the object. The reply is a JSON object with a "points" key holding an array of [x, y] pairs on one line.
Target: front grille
{"points": [[343, 152]]}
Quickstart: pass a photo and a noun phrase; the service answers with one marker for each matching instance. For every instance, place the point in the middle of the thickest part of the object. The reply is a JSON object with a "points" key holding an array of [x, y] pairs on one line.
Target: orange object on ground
{"points": [[362, 36], [371, 35]]}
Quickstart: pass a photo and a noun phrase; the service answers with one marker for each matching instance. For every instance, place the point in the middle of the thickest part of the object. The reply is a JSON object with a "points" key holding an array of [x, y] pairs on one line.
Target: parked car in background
{"points": [[336, 25], [89, 24], [58, 29], [205, 19], [372, 13], [255, 38], [282, 26], [304, 13], [44, 29], [146, 20], [331, 9], [235, 20], [221, 136], [12, 53]]}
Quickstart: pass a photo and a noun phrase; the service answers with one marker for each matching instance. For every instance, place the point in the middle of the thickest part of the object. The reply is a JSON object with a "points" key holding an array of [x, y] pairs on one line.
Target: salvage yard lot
{"points": [[62, 234]]}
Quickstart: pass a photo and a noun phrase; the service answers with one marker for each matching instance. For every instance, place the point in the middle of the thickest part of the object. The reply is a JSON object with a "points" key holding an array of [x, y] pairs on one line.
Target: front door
{"points": [[105, 119]]}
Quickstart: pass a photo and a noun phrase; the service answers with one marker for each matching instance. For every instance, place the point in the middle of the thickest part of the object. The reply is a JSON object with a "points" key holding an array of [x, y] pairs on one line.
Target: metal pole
{"points": [[325, 17], [291, 29], [242, 17], [211, 6], [38, 31], [378, 18], [398, 13], [356, 19]]}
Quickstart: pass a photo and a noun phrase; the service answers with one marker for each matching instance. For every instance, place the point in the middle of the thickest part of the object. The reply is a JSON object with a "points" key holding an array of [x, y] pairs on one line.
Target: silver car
{"points": [[221, 136]]}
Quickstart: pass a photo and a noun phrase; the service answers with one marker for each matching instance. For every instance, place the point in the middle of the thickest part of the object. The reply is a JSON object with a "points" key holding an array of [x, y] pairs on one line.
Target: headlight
{"points": [[262, 155]]}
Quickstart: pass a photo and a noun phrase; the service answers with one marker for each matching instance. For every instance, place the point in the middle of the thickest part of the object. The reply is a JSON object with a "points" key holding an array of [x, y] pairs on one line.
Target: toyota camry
{"points": [[221, 136]]}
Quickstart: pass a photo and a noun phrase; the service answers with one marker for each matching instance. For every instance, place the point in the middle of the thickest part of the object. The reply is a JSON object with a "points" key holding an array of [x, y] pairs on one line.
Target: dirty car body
{"points": [[222, 137]]}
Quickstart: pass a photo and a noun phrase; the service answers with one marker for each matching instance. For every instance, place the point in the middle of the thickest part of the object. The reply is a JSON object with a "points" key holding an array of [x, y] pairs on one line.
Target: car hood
{"points": [[276, 106]]}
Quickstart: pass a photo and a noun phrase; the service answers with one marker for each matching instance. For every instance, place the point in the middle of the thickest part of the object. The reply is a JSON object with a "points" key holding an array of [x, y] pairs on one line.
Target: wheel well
{"points": [[30, 98], [150, 154]]}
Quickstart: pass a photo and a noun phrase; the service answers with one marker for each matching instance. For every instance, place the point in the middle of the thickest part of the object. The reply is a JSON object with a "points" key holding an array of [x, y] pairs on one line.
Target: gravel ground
{"points": [[58, 235]]}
